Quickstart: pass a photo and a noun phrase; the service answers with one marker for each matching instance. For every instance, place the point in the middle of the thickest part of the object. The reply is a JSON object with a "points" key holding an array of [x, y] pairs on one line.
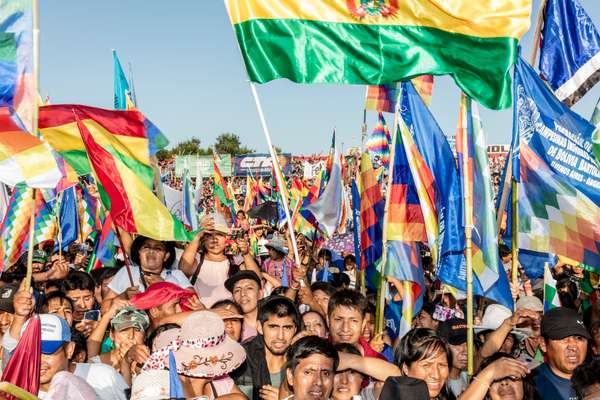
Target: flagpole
{"points": [[379, 311], [468, 210], [538, 31], [35, 84], [278, 176], [514, 233]]}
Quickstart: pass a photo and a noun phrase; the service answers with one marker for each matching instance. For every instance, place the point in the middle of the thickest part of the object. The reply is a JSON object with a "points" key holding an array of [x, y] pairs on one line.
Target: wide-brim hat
{"points": [[151, 385], [277, 244], [202, 349], [137, 244]]}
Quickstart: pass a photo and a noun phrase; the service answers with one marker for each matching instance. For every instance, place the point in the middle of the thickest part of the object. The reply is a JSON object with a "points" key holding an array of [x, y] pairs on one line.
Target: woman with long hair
{"points": [[422, 354]]}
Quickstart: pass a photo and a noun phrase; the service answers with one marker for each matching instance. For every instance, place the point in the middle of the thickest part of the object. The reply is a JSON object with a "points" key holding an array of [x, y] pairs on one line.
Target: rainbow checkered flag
{"points": [[551, 299], [558, 184], [382, 98], [378, 144]]}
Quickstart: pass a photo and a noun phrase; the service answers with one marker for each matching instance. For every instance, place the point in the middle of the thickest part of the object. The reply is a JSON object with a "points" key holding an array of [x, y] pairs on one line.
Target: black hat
{"points": [[453, 331], [404, 387], [561, 322], [6, 297], [238, 276], [137, 244]]}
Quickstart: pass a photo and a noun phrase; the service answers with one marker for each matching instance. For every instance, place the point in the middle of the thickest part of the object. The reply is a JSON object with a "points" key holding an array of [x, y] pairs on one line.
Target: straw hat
{"points": [[201, 350]]}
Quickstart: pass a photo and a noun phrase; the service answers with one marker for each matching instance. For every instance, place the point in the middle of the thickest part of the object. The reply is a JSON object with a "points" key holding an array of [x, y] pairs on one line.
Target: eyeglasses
{"points": [[158, 249]]}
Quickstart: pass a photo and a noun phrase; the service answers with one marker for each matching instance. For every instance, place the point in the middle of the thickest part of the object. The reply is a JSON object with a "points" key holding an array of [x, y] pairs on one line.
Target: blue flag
{"points": [[570, 55], [558, 178], [121, 90], [175, 387], [69, 218], [433, 147], [356, 221]]}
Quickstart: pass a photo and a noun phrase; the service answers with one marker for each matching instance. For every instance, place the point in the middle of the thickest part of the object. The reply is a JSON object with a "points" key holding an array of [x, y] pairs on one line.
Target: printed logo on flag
{"points": [[372, 8]]}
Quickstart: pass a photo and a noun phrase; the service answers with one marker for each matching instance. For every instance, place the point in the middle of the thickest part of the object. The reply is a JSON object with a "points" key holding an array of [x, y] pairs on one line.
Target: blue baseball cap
{"points": [[55, 332]]}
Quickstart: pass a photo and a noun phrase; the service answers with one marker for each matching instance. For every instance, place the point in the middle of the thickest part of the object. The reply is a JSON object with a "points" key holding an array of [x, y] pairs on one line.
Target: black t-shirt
{"points": [[551, 386]]}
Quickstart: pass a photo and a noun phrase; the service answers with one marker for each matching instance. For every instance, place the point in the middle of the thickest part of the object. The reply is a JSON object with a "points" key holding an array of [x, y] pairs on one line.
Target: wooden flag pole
{"points": [[278, 176], [514, 233], [538, 31], [379, 311], [468, 219], [34, 131]]}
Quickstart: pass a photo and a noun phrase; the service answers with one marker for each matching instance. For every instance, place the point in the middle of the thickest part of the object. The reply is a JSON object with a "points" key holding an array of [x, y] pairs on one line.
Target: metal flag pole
{"points": [[286, 209]]}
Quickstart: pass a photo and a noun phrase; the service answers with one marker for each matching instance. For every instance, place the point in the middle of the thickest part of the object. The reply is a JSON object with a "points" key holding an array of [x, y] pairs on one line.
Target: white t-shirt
{"points": [[210, 284], [120, 283], [106, 381]]}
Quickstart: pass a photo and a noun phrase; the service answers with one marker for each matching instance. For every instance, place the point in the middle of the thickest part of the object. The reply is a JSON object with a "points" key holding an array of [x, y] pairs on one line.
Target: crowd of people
{"points": [[231, 315]]}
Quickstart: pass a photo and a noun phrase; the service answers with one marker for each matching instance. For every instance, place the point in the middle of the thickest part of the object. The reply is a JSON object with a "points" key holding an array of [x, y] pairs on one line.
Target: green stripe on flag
{"points": [[307, 51]]}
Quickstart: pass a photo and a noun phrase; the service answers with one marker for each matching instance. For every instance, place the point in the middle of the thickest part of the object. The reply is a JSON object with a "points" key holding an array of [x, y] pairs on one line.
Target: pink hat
{"points": [[202, 349]]}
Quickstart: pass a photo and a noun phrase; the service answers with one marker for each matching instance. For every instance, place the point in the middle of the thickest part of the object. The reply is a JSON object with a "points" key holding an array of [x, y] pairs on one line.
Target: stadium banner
{"points": [[260, 164], [202, 165]]}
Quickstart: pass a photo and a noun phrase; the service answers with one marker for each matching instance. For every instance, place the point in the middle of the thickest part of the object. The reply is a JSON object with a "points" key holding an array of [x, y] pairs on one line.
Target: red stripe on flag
{"points": [[124, 123], [108, 174]]}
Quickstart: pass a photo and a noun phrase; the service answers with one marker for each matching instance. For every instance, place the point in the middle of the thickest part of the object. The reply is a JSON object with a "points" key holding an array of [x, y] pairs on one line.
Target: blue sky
{"points": [[190, 80]]}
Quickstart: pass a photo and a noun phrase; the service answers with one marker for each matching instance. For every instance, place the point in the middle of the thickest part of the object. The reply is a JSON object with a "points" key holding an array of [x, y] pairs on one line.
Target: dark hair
{"points": [[80, 343], [347, 298], [57, 295], [529, 390], [228, 302], [340, 279], [101, 274], [139, 242], [419, 343], [323, 286], [349, 259], [160, 329], [567, 290], [78, 280], [325, 253], [586, 375], [347, 348], [306, 347], [280, 307]]}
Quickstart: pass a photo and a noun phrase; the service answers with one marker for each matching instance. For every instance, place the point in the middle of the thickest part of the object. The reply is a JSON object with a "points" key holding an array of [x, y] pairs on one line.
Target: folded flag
{"points": [[424, 86], [121, 133], [16, 59], [570, 50], [405, 228], [327, 209], [372, 207], [557, 175], [106, 245], [223, 197], [479, 211], [378, 144], [391, 41], [551, 299], [595, 120], [122, 94], [382, 98], [25, 159], [133, 206], [188, 203]]}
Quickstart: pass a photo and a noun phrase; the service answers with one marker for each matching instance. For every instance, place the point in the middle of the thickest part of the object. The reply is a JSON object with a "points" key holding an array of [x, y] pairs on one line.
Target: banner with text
{"points": [[202, 165], [260, 164]]}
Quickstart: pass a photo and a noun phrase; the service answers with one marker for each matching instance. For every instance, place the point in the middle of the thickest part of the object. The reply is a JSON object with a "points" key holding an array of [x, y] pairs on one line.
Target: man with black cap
{"points": [[564, 344], [7, 311], [260, 376], [246, 288], [454, 333]]}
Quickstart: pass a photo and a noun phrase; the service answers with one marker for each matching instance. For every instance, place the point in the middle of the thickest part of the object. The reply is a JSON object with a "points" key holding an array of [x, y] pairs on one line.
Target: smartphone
{"points": [[92, 315]]}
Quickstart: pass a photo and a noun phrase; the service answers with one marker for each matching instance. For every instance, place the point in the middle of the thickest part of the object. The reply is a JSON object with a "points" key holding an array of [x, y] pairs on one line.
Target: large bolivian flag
{"points": [[377, 42]]}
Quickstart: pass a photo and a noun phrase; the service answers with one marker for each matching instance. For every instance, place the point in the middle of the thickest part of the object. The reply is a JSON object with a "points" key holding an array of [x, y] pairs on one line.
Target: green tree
{"points": [[229, 143]]}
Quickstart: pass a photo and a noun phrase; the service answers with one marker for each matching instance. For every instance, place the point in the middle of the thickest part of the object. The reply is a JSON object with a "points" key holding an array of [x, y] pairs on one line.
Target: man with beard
{"points": [[245, 286], [260, 376], [312, 362], [564, 345]]}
